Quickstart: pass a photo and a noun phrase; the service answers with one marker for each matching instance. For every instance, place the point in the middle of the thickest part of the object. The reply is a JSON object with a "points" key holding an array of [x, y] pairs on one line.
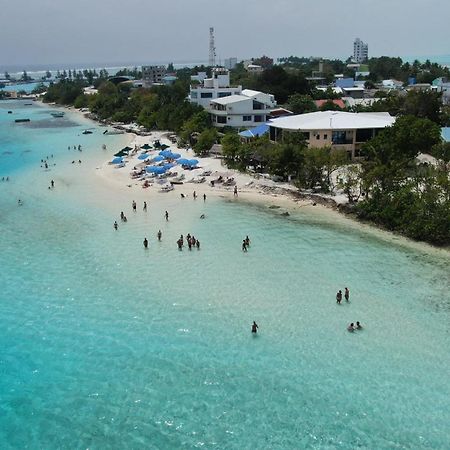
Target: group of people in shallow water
{"points": [[191, 241], [245, 244], [158, 235], [75, 148], [352, 327], [45, 164], [339, 296]]}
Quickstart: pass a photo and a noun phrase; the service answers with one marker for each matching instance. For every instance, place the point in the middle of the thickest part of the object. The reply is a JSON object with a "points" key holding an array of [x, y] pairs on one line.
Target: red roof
{"points": [[337, 102]]}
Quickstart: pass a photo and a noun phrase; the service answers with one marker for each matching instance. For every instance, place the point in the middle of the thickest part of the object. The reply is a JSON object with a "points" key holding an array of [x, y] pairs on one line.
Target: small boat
{"points": [[22, 120], [87, 132], [9, 112], [57, 114], [167, 188]]}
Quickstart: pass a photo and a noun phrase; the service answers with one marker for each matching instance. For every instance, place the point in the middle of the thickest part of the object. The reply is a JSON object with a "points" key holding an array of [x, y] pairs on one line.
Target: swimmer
{"points": [[145, 206], [347, 294], [116, 226], [339, 297], [204, 197], [159, 235], [202, 216], [197, 243], [125, 219], [254, 327], [247, 241], [20, 202], [358, 326], [180, 244], [122, 215], [145, 243], [351, 328], [52, 183], [166, 215], [244, 246], [194, 195], [182, 195]]}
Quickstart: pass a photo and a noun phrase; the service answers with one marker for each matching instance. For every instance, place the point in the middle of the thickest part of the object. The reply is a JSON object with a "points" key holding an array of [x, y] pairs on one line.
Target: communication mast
{"points": [[212, 48]]}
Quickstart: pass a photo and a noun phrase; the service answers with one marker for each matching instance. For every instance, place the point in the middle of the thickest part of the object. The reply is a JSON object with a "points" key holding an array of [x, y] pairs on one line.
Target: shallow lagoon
{"points": [[107, 345]]}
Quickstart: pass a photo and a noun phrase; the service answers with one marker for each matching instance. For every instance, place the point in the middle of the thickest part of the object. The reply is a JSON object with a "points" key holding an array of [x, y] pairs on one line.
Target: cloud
{"points": [[50, 32]]}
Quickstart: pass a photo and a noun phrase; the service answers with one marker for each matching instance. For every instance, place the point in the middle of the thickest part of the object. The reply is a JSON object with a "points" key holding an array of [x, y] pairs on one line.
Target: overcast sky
{"points": [[101, 31]]}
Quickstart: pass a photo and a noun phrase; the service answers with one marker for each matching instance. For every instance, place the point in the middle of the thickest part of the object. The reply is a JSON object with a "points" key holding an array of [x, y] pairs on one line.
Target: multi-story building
{"points": [[218, 86], [335, 129], [248, 109], [230, 63], [153, 75], [360, 51]]}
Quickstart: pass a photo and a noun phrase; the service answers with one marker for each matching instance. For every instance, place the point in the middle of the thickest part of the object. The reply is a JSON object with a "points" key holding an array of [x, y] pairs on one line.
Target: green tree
{"points": [[300, 104], [231, 146], [205, 141]]}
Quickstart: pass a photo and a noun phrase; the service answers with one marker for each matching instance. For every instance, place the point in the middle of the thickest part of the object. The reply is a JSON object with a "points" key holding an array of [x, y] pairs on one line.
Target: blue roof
{"points": [[254, 132], [446, 134]]}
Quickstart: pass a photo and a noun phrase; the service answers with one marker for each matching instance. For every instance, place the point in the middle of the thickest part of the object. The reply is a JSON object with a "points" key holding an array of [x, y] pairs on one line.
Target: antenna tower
{"points": [[212, 48]]}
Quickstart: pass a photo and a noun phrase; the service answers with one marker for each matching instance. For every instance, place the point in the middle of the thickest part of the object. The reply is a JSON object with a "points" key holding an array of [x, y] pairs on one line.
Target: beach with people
{"points": [[134, 334]]}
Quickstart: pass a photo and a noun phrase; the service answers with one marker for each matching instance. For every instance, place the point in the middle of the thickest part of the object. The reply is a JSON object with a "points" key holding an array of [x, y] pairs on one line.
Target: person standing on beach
{"points": [[347, 294], [167, 216], [254, 327], [235, 191], [159, 235], [145, 206], [204, 197], [133, 204], [339, 297], [145, 243], [194, 195]]}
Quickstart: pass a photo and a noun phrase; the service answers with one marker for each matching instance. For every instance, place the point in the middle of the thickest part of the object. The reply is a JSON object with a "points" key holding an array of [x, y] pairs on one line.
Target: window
{"points": [[206, 95], [247, 118], [221, 119], [325, 137], [223, 94], [317, 136], [193, 94], [257, 105], [259, 118]]}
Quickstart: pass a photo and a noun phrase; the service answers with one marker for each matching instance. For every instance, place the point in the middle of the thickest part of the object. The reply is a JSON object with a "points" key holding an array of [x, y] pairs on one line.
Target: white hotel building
{"points": [[231, 106], [217, 86]]}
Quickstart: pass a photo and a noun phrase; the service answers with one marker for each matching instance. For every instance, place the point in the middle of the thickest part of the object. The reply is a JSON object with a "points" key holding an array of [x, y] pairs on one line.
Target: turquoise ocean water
{"points": [[105, 345]]}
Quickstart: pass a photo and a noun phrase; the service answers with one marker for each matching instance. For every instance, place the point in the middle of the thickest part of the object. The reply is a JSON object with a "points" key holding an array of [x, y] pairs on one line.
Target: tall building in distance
{"points": [[153, 75], [212, 48], [230, 63], [360, 51]]}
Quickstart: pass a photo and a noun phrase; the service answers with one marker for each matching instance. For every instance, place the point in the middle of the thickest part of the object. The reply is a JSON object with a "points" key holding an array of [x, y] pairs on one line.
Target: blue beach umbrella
{"points": [[158, 158], [117, 160], [168, 166], [193, 162], [165, 153], [175, 156], [144, 156], [156, 169], [183, 161]]}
